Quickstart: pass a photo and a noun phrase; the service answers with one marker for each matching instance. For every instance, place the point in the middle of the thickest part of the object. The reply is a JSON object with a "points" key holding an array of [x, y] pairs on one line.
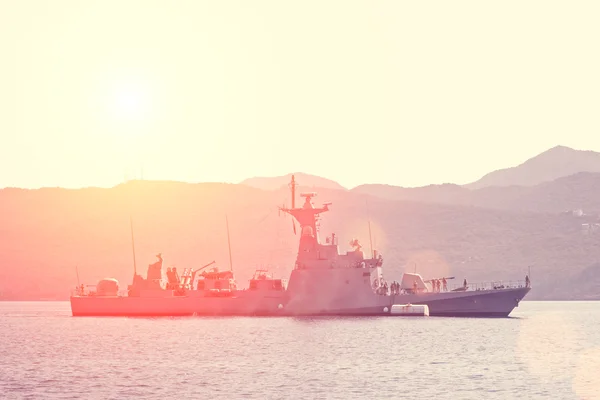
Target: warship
{"points": [[322, 282], [325, 282], [211, 292]]}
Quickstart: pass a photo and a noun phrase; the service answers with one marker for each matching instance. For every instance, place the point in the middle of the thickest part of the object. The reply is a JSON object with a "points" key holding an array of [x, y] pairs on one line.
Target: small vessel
{"points": [[323, 282]]}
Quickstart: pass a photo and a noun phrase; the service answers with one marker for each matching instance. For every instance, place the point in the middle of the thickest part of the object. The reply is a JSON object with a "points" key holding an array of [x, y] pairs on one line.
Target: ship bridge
{"points": [[314, 254]]}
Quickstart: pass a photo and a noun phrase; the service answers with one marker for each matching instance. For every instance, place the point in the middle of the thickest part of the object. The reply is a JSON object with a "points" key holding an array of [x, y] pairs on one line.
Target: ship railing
{"points": [[80, 293], [91, 291], [84, 290], [492, 285]]}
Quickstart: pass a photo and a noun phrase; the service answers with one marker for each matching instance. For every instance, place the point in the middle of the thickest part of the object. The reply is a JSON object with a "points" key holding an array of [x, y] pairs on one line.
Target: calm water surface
{"points": [[545, 350]]}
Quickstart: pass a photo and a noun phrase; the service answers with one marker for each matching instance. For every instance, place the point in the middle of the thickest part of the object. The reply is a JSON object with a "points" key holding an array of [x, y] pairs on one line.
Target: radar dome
{"points": [[107, 287]]}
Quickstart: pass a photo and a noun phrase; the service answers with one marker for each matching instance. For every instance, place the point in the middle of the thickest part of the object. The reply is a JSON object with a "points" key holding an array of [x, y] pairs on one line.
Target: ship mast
{"points": [[307, 214], [370, 237], [293, 185], [371, 240], [132, 245], [228, 243], [128, 189]]}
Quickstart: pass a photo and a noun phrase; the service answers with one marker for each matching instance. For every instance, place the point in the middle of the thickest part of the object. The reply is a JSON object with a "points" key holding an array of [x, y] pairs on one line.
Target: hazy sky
{"points": [[398, 92]]}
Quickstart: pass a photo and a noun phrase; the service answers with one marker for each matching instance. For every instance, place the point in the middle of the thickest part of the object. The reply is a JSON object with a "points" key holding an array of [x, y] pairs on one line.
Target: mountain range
{"points": [[541, 214], [273, 183], [558, 162]]}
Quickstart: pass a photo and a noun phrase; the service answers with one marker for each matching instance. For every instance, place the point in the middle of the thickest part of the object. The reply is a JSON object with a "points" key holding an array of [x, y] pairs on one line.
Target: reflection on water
{"points": [[549, 344], [560, 344], [585, 383], [547, 350]]}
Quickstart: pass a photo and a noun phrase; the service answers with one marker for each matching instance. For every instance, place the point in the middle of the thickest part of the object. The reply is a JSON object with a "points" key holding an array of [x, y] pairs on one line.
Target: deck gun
{"points": [[200, 269]]}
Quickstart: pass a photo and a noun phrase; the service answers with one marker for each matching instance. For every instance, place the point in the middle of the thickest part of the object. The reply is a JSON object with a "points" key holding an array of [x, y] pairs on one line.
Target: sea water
{"points": [[543, 350]]}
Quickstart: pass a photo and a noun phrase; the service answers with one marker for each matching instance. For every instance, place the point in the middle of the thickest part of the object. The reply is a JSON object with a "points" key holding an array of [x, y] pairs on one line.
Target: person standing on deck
{"points": [[444, 283]]}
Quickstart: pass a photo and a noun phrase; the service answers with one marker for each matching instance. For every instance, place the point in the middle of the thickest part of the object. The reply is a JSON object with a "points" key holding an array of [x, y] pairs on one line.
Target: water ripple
{"points": [[548, 350]]}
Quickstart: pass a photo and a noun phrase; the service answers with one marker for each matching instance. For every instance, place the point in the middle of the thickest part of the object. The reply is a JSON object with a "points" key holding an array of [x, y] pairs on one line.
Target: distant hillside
{"points": [[578, 191], [585, 284], [559, 161], [440, 194], [305, 180], [45, 233]]}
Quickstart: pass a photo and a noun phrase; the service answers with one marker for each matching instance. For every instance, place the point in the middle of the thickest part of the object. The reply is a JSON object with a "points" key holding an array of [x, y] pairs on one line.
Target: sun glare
{"points": [[130, 102]]}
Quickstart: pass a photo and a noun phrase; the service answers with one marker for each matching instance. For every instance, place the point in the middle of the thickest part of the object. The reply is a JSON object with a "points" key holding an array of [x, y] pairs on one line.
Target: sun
{"points": [[130, 102], [129, 107]]}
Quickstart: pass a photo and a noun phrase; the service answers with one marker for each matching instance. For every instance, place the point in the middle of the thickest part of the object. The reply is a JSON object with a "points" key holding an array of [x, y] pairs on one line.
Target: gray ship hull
{"points": [[311, 293], [241, 304], [483, 304]]}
